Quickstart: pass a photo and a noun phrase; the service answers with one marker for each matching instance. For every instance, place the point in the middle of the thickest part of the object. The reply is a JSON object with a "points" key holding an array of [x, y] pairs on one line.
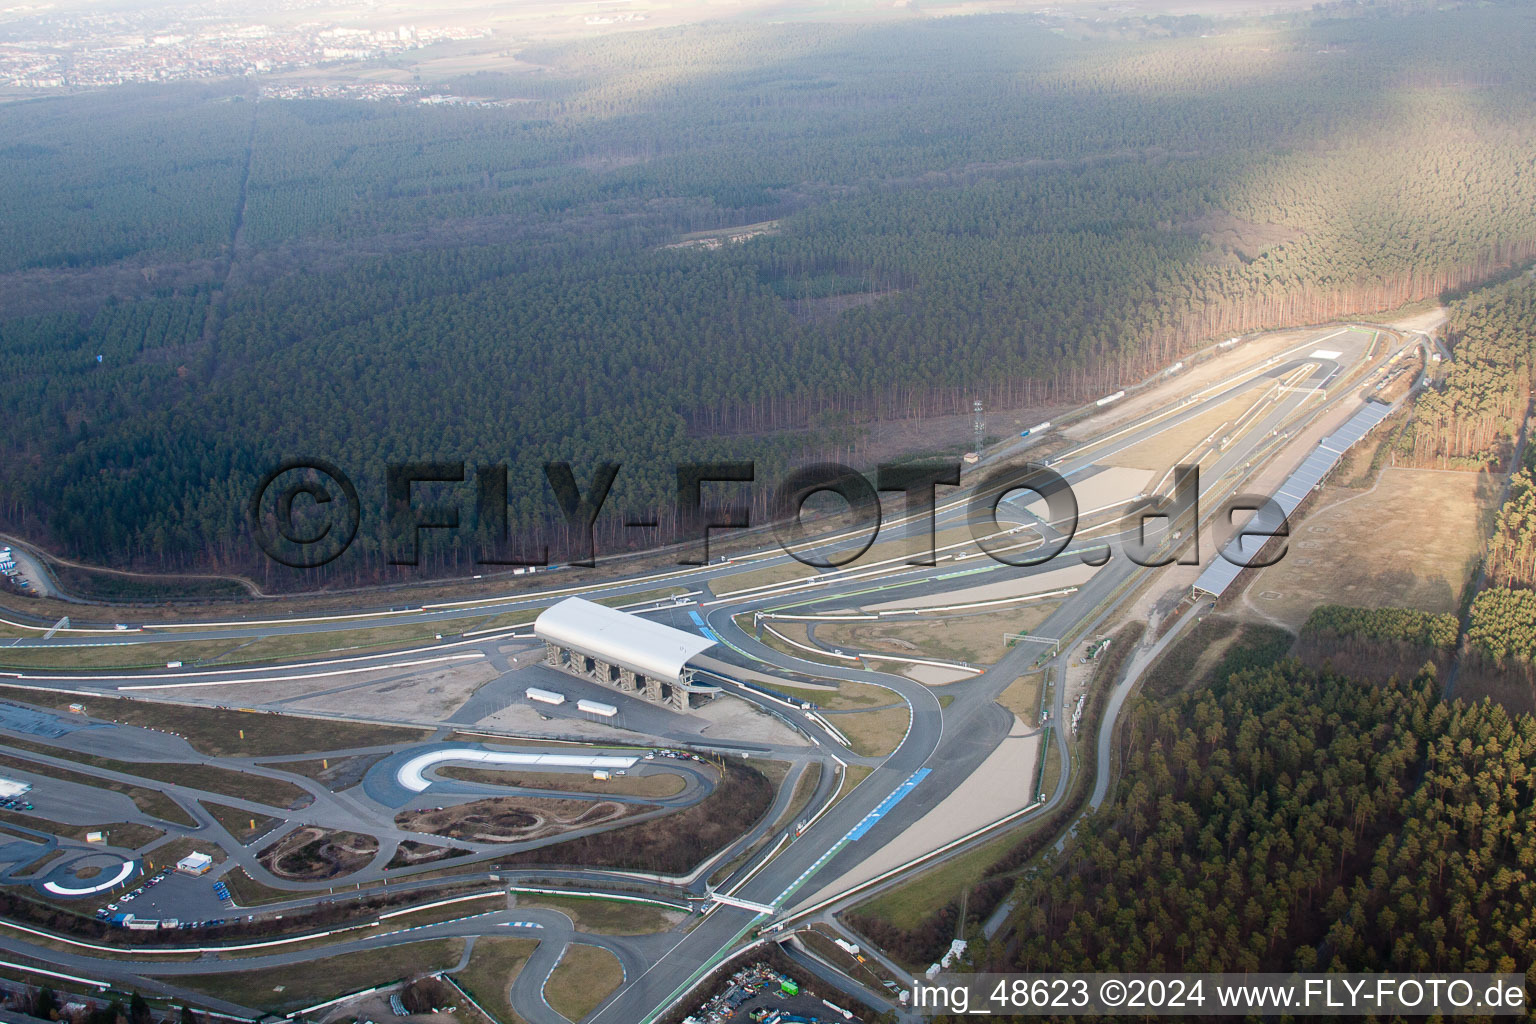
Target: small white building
{"points": [[11, 788], [544, 696], [596, 707], [194, 864]]}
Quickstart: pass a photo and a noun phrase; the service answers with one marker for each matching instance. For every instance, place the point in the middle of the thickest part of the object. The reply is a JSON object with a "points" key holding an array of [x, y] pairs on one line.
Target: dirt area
{"points": [[653, 786], [717, 237], [410, 853], [506, 819], [1427, 321], [402, 695], [1402, 377], [784, 638], [730, 716], [313, 854], [899, 552], [376, 1007], [423, 696], [976, 639], [1413, 539], [1354, 470], [935, 675]]}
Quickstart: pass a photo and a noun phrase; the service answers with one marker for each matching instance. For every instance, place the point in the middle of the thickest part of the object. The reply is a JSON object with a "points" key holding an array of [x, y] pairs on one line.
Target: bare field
{"points": [[313, 854], [1412, 540], [1160, 453], [976, 639], [421, 696], [730, 716]]}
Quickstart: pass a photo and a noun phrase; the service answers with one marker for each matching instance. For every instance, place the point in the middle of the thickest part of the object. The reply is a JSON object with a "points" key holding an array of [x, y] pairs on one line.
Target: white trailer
{"points": [[544, 696]]}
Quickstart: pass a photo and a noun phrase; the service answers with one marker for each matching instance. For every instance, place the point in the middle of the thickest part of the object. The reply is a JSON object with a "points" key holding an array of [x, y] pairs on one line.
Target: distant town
{"points": [[105, 49]]}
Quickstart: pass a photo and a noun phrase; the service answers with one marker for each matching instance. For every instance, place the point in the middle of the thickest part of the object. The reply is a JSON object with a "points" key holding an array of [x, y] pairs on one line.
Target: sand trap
{"points": [[936, 675], [1023, 586], [1004, 783]]}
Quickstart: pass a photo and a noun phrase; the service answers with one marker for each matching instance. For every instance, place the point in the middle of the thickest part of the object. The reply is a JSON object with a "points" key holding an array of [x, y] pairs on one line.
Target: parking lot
{"points": [[188, 899]]}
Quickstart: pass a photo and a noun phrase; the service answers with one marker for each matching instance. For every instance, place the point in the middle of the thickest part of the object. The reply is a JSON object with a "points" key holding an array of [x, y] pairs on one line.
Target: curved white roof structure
{"points": [[410, 774], [124, 872], [650, 648]]}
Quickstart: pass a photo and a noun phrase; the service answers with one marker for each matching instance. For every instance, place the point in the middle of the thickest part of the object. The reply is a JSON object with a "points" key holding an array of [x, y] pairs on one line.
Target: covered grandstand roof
{"points": [[654, 650], [1224, 568]]}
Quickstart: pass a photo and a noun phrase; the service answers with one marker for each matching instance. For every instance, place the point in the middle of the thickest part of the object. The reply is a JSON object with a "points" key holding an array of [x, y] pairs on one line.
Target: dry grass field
{"points": [[874, 733], [1023, 696], [1169, 446], [493, 967], [977, 639], [1412, 540], [585, 977]]}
